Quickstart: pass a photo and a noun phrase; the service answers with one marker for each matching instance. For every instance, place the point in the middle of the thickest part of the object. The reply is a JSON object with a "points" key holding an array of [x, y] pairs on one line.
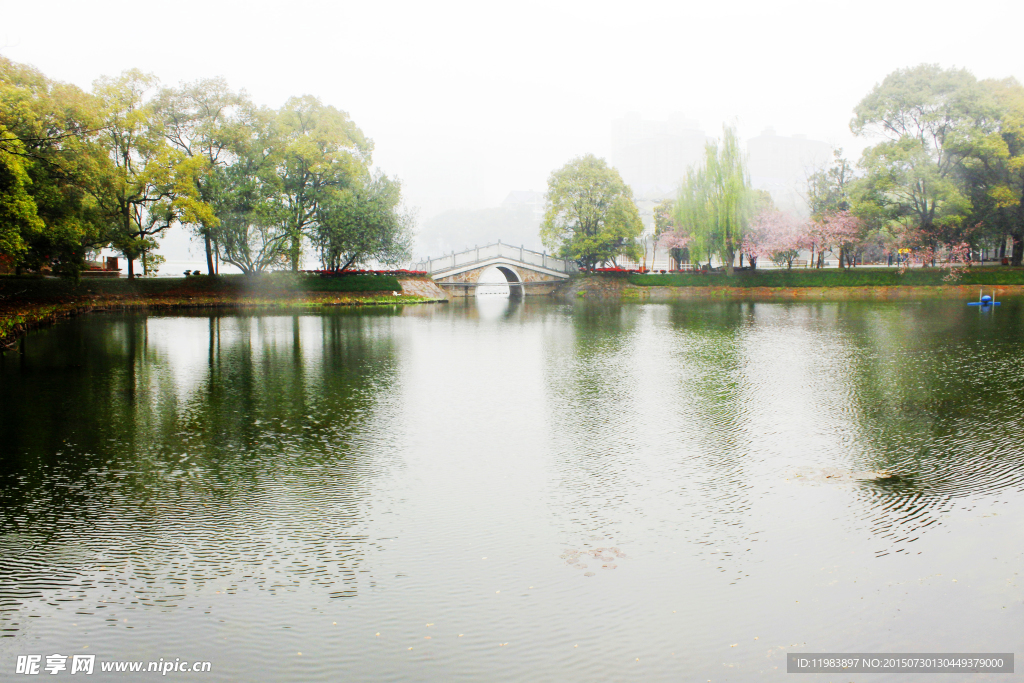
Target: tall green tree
{"points": [[197, 121], [923, 114], [830, 191], [362, 224], [18, 216], [993, 166], [829, 187], [321, 153], [715, 202], [590, 216], [138, 193], [252, 229], [51, 159]]}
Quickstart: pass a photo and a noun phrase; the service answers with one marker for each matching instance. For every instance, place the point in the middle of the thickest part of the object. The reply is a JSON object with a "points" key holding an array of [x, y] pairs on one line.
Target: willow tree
{"points": [[590, 216], [715, 202]]}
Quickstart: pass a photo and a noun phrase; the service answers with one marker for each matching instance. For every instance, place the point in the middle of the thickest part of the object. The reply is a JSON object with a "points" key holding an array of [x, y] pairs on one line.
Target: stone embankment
{"points": [[426, 289]]}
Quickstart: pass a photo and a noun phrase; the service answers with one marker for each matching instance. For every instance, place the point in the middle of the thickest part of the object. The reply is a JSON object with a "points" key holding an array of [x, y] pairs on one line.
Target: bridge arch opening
{"points": [[499, 281]]}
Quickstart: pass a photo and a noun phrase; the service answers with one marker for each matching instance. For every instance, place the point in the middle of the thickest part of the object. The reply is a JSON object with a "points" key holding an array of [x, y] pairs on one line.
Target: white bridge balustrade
{"points": [[524, 269], [493, 251]]}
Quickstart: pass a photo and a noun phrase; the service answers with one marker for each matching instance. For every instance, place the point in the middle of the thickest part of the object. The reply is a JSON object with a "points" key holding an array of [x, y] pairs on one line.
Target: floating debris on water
{"points": [[835, 475], [607, 556]]}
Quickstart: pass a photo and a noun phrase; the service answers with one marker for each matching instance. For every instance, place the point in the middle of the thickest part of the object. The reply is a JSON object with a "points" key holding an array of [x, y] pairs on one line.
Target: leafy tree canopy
{"points": [[363, 223], [590, 216], [992, 165], [51, 164], [923, 114], [322, 152], [118, 166]]}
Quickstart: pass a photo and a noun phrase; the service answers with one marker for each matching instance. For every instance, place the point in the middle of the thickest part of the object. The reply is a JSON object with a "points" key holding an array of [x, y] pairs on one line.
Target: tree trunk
{"points": [[842, 257], [209, 254], [126, 220], [1017, 253], [1017, 235], [295, 251]]}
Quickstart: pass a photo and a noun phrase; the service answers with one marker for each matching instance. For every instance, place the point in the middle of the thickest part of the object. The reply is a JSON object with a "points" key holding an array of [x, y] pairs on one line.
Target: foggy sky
{"points": [[466, 101]]}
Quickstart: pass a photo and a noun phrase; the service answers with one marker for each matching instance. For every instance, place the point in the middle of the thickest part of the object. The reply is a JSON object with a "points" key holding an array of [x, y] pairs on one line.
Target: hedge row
{"points": [[41, 289], [351, 283], [853, 277]]}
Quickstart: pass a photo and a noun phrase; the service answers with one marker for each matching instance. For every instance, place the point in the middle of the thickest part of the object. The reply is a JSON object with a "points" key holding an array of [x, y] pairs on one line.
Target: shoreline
{"points": [[20, 316], [887, 293]]}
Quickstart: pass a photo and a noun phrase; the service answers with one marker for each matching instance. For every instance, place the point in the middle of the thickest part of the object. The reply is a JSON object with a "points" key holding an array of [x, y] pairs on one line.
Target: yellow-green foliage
{"points": [[590, 216]]}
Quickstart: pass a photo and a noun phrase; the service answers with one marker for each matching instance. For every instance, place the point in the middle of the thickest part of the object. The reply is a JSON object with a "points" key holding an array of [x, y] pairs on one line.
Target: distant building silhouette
{"points": [[652, 156], [781, 165]]}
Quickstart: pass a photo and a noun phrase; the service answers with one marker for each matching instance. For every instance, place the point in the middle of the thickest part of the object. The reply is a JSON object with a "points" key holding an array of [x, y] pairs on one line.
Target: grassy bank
{"points": [[30, 302], [853, 277]]}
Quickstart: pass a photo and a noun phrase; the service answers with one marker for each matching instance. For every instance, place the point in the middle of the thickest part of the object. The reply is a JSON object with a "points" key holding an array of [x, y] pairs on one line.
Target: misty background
{"points": [[473, 105]]}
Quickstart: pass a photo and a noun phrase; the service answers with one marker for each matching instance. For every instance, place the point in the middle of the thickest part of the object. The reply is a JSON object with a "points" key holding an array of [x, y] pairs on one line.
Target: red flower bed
{"points": [[341, 273], [615, 271]]}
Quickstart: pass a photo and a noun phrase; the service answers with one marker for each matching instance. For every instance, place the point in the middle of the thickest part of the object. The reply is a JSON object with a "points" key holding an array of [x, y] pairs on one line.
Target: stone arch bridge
{"points": [[527, 272]]}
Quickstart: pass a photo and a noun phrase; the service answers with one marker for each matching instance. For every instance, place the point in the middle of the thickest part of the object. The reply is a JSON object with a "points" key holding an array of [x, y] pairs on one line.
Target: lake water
{"points": [[515, 490]]}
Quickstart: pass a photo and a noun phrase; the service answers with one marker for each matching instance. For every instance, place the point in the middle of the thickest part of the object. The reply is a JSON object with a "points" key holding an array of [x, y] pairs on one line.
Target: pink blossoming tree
{"points": [[775, 235], [675, 239], [835, 233]]}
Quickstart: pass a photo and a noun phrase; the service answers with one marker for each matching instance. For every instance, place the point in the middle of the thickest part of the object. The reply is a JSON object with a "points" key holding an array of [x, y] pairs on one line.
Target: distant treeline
{"points": [[944, 180], [116, 167]]}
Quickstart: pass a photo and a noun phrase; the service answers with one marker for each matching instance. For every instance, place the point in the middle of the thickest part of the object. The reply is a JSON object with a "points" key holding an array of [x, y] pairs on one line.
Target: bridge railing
{"points": [[498, 250]]}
